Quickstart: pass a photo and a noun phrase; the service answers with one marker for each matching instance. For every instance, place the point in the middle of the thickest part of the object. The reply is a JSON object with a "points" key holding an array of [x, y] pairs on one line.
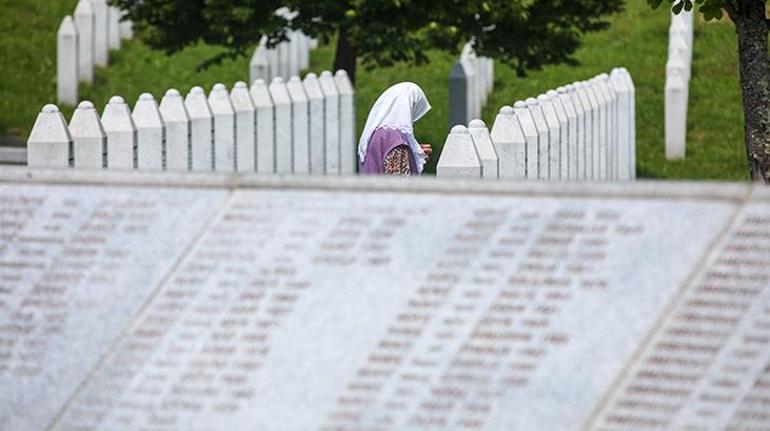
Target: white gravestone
{"points": [[300, 126], [294, 60], [272, 58], [568, 108], [89, 143], [530, 299], [201, 130], [632, 118], [49, 143], [564, 151], [606, 98], [245, 127], [600, 148], [317, 124], [101, 32], [113, 27], [224, 129], [485, 149], [554, 136], [529, 129], [591, 111], [304, 51], [283, 60], [675, 109], [67, 62], [150, 134], [583, 130], [85, 20], [348, 143], [458, 156], [121, 134], [612, 127], [263, 103], [284, 156], [543, 139], [177, 123], [510, 144], [259, 65], [332, 119], [625, 138], [471, 75]]}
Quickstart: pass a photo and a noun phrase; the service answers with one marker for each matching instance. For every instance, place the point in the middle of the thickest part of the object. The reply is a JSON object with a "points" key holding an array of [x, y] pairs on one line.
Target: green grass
{"points": [[637, 40]]}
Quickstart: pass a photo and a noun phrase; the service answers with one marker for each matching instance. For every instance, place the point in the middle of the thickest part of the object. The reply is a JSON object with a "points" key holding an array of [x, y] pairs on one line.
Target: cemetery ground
{"points": [[637, 40]]}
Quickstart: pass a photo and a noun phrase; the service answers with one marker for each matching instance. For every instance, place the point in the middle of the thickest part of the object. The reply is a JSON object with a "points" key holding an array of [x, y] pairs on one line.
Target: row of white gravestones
{"points": [[471, 80], [302, 127], [286, 59], [582, 131], [83, 42], [678, 70]]}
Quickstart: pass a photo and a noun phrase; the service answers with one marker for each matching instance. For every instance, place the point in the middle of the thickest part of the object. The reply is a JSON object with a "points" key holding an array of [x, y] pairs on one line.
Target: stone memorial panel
{"points": [[358, 303], [76, 263]]}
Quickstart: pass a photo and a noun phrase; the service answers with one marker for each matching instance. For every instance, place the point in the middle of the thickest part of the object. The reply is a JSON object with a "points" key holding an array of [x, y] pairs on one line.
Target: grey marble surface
{"points": [[243, 302]]}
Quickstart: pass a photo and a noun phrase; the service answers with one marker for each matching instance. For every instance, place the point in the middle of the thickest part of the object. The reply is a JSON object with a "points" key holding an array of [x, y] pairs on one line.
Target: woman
{"points": [[387, 145]]}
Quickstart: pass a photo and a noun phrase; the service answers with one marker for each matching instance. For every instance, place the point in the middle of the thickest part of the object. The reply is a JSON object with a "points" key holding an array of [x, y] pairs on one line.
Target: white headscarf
{"points": [[399, 107]]}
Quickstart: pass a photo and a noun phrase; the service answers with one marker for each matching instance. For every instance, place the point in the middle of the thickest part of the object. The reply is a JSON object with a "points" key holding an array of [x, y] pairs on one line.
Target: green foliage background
{"points": [[636, 39]]}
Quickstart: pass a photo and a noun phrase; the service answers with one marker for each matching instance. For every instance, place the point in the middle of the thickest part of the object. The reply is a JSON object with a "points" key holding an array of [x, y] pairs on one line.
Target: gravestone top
{"points": [[323, 303]]}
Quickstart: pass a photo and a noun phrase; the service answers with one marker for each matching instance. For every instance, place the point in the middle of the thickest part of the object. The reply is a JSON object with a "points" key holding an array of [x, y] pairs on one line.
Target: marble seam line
{"points": [[712, 252], [224, 204], [639, 190]]}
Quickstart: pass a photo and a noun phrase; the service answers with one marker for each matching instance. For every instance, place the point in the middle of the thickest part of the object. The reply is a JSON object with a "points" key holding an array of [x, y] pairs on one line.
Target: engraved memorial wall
{"points": [[215, 302]]}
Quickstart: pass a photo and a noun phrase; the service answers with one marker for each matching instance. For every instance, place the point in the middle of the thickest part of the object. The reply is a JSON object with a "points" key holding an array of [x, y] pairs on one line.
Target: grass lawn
{"points": [[637, 40]]}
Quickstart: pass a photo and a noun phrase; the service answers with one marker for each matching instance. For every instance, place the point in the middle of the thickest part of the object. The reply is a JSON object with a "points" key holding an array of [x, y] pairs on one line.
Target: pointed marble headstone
{"points": [[67, 62], [300, 125], [529, 129], [259, 65], [113, 27], [224, 129], [591, 129], [561, 116], [49, 143], [101, 32], [317, 124], [624, 112], [150, 134], [89, 142], [571, 128], [583, 130], [348, 158], [554, 136], [485, 149], [510, 144], [245, 127], [332, 117], [600, 155], [263, 103], [283, 126], [121, 134], [201, 130], [458, 156], [177, 123], [543, 139], [85, 20]]}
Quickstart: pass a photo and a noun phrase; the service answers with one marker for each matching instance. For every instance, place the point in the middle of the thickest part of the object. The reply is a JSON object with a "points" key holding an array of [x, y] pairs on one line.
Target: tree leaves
{"points": [[526, 34]]}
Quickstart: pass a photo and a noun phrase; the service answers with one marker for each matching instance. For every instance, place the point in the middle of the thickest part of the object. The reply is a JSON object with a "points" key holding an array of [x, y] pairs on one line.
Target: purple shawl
{"points": [[383, 141]]}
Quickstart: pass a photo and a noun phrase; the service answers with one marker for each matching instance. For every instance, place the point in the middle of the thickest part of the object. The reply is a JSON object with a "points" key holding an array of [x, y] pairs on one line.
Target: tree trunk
{"points": [[345, 56], [751, 25]]}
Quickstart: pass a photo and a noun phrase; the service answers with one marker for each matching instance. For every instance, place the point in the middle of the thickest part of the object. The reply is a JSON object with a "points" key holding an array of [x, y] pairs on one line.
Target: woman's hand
{"points": [[427, 149]]}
